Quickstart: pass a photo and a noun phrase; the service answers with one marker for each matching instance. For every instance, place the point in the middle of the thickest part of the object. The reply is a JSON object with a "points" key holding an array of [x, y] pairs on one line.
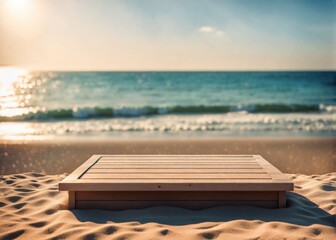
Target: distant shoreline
{"points": [[158, 138]]}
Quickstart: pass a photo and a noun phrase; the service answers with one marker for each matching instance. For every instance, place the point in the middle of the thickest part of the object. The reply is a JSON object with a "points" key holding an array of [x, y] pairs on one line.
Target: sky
{"points": [[168, 34]]}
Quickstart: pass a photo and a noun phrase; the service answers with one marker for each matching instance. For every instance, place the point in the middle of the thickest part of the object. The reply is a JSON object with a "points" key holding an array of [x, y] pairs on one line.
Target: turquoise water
{"points": [[220, 103]]}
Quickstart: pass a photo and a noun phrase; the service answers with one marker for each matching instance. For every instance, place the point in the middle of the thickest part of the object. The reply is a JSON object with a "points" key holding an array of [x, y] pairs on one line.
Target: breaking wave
{"points": [[126, 112]]}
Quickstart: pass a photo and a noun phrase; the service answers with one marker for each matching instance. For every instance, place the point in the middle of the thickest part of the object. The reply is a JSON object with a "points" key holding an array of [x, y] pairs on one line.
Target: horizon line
{"points": [[169, 70]]}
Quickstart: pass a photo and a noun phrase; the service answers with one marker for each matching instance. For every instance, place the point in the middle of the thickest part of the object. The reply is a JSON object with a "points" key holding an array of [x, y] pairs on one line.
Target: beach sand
{"points": [[291, 155], [31, 207]]}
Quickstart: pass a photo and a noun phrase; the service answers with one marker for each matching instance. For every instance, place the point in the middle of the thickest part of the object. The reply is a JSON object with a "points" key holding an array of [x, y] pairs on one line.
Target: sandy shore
{"points": [[31, 207]]}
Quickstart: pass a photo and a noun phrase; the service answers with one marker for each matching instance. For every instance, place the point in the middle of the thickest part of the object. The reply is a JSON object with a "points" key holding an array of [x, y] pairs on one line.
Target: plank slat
{"points": [[179, 164], [195, 205], [183, 170], [174, 176], [174, 162], [176, 156], [176, 185], [179, 157], [120, 182], [172, 195], [177, 160], [171, 181], [104, 166], [141, 172]]}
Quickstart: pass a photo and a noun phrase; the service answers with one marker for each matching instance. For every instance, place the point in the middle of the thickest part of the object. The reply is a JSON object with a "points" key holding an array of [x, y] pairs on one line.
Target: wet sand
{"points": [[290, 155]]}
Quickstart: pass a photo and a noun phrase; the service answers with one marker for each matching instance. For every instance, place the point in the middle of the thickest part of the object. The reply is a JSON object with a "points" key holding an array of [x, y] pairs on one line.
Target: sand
{"points": [[31, 207], [291, 155]]}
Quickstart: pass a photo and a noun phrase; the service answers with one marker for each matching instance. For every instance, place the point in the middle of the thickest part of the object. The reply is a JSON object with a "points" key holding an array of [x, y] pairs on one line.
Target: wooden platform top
{"points": [[176, 173]]}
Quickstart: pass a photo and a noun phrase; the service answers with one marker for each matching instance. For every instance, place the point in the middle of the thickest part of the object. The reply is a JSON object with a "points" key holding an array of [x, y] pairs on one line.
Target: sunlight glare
{"points": [[9, 102], [10, 75], [17, 5], [16, 131]]}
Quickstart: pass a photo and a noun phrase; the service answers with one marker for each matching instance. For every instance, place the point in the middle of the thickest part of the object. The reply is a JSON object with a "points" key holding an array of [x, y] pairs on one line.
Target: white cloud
{"points": [[206, 29], [210, 29]]}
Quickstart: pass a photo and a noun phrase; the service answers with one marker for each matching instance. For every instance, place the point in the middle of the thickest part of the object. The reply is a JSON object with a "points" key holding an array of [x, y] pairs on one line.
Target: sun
{"points": [[17, 7], [17, 4]]}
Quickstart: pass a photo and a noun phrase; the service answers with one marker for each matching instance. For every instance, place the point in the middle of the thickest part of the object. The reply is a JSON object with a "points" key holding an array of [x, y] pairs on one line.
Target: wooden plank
{"points": [[173, 195], [179, 170], [282, 199], [182, 179], [175, 185], [177, 181], [178, 156], [276, 174], [72, 199], [195, 205], [175, 162], [179, 159], [80, 170], [178, 162], [171, 168], [177, 166], [174, 176]]}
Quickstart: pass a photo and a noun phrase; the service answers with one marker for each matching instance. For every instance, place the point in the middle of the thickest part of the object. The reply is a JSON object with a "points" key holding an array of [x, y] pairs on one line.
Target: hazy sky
{"points": [[168, 34]]}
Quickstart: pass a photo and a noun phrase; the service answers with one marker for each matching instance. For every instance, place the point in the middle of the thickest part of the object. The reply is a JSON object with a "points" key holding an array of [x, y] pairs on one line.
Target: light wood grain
{"points": [[176, 162], [176, 185], [281, 199], [111, 181], [177, 196], [174, 170], [175, 176], [177, 166], [195, 205], [176, 156], [72, 199]]}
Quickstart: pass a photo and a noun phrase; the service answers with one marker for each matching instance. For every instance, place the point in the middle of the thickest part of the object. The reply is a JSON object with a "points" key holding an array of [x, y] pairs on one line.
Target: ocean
{"points": [[53, 105]]}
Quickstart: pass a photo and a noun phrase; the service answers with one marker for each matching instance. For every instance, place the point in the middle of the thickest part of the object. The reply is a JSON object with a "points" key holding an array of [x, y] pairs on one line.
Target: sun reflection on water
{"points": [[20, 131], [15, 129], [19, 96], [14, 99]]}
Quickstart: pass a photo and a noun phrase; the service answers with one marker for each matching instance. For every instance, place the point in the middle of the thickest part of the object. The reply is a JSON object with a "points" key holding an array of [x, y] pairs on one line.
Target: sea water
{"points": [[167, 104]]}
